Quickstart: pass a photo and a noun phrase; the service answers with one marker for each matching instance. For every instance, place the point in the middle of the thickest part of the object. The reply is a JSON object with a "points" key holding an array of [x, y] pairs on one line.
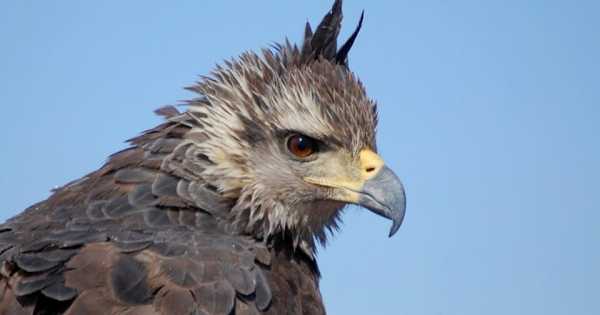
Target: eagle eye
{"points": [[302, 146]]}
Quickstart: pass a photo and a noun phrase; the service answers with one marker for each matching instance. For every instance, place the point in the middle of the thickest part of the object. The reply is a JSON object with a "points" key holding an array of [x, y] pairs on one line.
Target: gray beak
{"points": [[384, 195]]}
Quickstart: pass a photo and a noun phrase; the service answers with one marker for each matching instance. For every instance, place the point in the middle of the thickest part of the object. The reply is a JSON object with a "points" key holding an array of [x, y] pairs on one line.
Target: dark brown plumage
{"points": [[208, 213]]}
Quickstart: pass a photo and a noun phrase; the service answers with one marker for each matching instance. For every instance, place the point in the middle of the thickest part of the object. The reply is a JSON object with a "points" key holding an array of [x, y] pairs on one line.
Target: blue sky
{"points": [[490, 113]]}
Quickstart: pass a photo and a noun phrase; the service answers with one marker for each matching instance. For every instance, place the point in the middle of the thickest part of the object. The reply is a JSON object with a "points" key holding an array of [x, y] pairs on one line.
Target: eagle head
{"points": [[287, 136]]}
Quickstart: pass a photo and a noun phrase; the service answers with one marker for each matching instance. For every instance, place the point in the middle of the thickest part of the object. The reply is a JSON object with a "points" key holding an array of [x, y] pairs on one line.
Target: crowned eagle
{"points": [[219, 209]]}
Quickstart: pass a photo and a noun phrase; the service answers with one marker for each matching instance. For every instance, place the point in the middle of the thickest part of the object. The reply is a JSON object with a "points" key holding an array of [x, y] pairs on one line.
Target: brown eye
{"points": [[301, 146]]}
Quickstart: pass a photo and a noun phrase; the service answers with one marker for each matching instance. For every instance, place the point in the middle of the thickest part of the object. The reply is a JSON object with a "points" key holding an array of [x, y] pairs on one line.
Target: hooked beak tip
{"points": [[397, 222]]}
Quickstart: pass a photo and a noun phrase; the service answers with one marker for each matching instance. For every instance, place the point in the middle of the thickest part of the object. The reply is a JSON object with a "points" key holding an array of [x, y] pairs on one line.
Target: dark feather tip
{"points": [[342, 55], [324, 40]]}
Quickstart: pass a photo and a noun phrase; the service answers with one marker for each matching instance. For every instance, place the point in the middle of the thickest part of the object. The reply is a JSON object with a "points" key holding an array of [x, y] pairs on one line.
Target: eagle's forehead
{"points": [[255, 95], [328, 101]]}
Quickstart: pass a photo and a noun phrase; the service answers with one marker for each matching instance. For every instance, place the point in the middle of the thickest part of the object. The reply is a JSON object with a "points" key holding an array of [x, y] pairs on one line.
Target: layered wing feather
{"points": [[135, 237]]}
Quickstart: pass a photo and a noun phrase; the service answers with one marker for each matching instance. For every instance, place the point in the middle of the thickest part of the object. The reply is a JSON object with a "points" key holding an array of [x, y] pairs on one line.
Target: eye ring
{"points": [[302, 146]]}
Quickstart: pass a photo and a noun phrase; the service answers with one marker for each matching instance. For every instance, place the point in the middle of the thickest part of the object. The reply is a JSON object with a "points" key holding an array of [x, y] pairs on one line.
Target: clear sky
{"points": [[490, 113]]}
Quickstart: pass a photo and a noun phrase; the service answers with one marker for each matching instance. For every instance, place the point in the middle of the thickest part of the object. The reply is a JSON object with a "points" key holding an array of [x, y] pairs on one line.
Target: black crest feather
{"points": [[323, 42], [342, 55]]}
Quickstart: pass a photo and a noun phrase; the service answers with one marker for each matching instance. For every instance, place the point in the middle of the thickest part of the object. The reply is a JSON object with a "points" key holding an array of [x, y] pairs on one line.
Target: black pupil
{"points": [[303, 144]]}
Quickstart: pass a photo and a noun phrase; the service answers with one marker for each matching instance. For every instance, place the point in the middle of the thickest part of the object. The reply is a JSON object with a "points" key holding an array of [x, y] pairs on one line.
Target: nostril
{"points": [[370, 169]]}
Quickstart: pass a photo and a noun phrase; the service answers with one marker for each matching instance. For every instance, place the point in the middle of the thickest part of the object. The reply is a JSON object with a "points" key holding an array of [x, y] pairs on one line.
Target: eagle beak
{"points": [[384, 195], [377, 189]]}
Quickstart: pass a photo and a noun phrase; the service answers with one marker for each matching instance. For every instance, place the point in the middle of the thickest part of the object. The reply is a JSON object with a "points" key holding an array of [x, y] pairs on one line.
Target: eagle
{"points": [[219, 209]]}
